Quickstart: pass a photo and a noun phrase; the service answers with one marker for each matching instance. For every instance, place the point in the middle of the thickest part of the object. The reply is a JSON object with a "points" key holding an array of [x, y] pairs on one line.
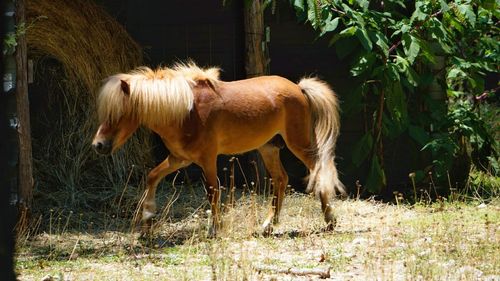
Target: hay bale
{"points": [[89, 45], [87, 41]]}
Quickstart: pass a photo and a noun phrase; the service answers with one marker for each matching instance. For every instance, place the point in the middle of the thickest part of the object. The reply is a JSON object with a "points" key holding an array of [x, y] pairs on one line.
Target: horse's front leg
{"points": [[213, 193], [166, 167]]}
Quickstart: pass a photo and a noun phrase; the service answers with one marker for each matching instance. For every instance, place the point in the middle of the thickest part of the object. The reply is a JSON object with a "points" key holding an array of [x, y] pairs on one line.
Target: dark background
{"points": [[211, 34]]}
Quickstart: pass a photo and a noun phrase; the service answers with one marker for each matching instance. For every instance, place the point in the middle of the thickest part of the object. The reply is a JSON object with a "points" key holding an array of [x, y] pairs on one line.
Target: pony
{"points": [[198, 116]]}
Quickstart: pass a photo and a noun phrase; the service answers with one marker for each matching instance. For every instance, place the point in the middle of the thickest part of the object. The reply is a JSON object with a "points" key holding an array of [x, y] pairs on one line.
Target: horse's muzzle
{"points": [[102, 147]]}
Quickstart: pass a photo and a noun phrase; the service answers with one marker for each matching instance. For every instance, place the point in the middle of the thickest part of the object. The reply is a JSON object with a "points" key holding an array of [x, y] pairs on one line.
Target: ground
{"points": [[447, 240]]}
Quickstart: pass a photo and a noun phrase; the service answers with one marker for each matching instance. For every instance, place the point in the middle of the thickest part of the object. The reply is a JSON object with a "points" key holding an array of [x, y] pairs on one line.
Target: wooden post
{"points": [[255, 59], [25, 155], [8, 148]]}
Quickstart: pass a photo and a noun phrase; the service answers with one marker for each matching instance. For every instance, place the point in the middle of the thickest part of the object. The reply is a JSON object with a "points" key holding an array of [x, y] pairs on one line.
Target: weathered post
{"points": [[255, 56], [19, 169], [8, 144], [23, 113]]}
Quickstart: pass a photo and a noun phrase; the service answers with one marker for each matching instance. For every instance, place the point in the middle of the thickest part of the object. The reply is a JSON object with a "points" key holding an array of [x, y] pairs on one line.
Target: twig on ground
{"points": [[322, 272]]}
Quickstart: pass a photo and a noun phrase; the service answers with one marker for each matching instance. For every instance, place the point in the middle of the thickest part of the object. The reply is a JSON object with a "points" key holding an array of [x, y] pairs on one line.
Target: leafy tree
{"points": [[405, 53]]}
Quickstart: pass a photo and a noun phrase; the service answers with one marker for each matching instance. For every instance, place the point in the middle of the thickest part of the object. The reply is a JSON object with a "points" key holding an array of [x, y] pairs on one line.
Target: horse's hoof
{"points": [[212, 232], [330, 220], [146, 227], [268, 230], [147, 215], [330, 227]]}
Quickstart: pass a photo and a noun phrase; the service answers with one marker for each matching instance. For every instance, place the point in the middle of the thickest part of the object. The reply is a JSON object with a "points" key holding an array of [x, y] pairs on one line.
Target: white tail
{"points": [[323, 179]]}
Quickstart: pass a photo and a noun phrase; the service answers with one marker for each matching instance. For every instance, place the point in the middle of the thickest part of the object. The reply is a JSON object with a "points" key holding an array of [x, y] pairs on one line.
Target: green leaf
{"points": [[392, 71], [427, 52], [10, 43], [404, 67], [399, 2], [444, 6], [330, 26], [363, 4], [298, 5], [452, 21], [490, 5], [412, 77], [454, 94], [411, 47], [455, 73], [396, 104], [418, 134], [376, 180], [348, 32], [467, 11], [392, 128], [420, 12], [364, 38], [401, 63], [358, 18], [405, 28], [362, 149], [313, 13], [363, 64], [440, 34], [380, 40]]}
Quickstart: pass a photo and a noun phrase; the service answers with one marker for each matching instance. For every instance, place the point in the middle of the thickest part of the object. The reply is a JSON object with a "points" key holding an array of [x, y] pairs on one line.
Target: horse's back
{"points": [[255, 107], [262, 84], [258, 92]]}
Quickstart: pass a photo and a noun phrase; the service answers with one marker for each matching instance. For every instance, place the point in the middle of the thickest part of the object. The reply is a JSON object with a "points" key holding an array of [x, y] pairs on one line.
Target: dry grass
{"points": [[373, 241]]}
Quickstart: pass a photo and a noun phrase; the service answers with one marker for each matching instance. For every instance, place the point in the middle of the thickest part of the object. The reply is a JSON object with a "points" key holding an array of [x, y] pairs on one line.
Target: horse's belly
{"points": [[242, 147], [245, 137], [241, 127]]}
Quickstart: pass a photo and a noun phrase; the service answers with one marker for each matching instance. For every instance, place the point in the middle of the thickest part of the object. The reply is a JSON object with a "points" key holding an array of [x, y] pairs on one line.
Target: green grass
{"points": [[443, 241]]}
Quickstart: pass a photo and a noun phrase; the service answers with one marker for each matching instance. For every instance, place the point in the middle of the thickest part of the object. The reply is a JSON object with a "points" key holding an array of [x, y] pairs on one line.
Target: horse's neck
{"points": [[170, 134]]}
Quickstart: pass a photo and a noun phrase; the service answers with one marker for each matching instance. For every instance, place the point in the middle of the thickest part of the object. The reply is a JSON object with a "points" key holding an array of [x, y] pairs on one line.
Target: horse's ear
{"points": [[125, 87]]}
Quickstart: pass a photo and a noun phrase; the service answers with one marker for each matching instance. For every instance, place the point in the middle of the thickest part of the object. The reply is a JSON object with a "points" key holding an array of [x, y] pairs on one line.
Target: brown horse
{"points": [[199, 117]]}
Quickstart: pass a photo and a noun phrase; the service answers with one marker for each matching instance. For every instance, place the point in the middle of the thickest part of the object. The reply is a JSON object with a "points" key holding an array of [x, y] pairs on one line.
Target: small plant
{"points": [[10, 40], [484, 185]]}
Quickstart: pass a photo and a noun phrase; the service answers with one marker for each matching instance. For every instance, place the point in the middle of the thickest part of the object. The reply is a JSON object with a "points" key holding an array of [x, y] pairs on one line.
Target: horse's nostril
{"points": [[98, 146], [102, 147]]}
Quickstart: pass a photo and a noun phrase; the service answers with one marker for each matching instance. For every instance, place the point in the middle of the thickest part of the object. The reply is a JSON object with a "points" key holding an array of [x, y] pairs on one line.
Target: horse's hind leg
{"points": [[271, 156], [166, 167], [300, 144]]}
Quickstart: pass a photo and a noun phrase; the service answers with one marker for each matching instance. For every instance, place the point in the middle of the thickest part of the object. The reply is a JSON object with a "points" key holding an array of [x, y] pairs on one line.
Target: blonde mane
{"points": [[157, 97]]}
